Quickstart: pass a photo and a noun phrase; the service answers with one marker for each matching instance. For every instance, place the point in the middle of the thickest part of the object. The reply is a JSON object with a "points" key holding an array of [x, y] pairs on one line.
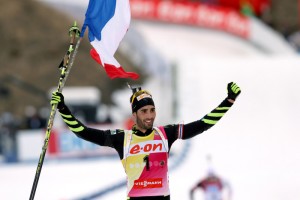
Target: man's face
{"points": [[144, 117]]}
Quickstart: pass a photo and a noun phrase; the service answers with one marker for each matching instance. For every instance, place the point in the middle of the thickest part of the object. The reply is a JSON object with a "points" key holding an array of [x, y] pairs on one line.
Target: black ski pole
{"points": [[65, 67]]}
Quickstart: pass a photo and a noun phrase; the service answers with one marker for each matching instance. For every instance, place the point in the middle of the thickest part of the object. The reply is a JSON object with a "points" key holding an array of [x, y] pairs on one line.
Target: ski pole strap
{"points": [[74, 32]]}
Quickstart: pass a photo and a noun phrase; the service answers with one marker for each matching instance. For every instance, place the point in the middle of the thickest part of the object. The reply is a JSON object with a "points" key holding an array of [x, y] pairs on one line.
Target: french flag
{"points": [[108, 22]]}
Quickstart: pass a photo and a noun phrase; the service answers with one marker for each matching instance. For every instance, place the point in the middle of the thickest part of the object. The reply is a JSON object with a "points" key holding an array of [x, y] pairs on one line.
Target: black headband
{"points": [[140, 99]]}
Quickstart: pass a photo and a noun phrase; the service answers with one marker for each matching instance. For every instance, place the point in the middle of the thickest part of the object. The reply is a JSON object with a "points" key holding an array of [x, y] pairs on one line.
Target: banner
{"points": [[192, 13]]}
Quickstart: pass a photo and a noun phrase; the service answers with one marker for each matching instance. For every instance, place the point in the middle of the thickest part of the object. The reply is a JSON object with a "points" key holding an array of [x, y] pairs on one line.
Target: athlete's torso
{"points": [[145, 162]]}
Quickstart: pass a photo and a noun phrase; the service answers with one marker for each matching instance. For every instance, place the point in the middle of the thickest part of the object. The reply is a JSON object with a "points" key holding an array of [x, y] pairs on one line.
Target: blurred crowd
{"points": [[9, 125], [8, 128], [34, 119]]}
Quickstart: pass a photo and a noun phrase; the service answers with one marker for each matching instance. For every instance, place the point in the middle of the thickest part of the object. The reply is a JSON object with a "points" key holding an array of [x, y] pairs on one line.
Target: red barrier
{"points": [[53, 146], [191, 13]]}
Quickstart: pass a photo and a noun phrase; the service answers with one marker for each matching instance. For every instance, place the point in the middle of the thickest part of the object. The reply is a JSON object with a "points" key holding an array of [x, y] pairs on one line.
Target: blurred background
{"points": [[186, 51]]}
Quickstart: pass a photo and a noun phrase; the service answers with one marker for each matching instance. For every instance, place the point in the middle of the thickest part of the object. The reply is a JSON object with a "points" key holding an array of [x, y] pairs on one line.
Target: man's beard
{"points": [[143, 125]]}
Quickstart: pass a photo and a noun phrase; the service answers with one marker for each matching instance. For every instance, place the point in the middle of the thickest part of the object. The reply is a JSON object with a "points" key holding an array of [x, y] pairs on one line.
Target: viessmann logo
{"points": [[148, 183], [155, 146]]}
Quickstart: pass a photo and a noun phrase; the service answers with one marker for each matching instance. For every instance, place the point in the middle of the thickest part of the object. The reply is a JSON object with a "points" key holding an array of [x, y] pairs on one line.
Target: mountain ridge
{"points": [[34, 40]]}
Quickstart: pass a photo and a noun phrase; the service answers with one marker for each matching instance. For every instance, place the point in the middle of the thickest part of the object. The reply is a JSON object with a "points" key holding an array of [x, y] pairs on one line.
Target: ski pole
{"points": [[64, 67]]}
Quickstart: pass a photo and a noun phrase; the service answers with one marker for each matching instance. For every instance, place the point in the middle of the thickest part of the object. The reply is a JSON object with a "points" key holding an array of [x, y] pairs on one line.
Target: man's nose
{"points": [[150, 114]]}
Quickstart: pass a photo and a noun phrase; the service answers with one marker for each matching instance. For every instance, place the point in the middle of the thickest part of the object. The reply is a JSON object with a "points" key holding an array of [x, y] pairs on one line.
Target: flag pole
{"points": [[65, 68]]}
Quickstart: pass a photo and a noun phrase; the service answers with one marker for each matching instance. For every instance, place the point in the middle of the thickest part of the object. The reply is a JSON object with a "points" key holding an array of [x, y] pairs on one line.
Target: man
{"points": [[213, 187], [144, 150]]}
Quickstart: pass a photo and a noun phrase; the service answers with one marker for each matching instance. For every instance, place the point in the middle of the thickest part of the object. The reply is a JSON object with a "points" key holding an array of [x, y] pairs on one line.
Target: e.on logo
{"points": [[155, 146]]}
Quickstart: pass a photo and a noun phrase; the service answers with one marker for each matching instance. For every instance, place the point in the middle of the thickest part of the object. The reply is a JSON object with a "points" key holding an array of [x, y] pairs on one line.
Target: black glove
{"points": [[233, 90], [58, 98]]}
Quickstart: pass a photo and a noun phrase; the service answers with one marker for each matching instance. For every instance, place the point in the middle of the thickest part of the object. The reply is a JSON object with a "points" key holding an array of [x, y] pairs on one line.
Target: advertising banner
{"points": [[191, 13]]}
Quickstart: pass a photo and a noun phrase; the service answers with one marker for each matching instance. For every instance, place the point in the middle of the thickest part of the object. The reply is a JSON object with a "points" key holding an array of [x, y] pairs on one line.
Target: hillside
{"points": [[34, 39]]}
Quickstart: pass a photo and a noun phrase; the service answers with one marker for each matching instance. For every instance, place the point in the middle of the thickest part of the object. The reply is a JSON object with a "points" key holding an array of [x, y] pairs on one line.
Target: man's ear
{"points": [[134, 116]]}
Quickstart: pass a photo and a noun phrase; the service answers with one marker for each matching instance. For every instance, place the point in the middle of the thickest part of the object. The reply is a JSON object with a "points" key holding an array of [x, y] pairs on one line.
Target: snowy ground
{"points": [[255, 146]]}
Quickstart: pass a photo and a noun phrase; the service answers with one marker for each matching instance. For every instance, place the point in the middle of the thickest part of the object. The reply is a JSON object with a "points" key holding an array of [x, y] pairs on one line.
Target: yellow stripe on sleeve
{"points": [[80, 128], [70, 122], [66, 116], [215, 114], [222, 108], [208, 121]]}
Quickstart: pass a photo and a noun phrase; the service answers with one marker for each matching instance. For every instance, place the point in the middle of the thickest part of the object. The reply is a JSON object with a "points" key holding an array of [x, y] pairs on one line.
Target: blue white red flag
{"points": [[108, 22]]}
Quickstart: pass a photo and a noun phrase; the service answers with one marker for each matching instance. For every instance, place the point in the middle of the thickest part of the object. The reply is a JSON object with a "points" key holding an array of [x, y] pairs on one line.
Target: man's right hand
{"points": [[58, 98]]}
